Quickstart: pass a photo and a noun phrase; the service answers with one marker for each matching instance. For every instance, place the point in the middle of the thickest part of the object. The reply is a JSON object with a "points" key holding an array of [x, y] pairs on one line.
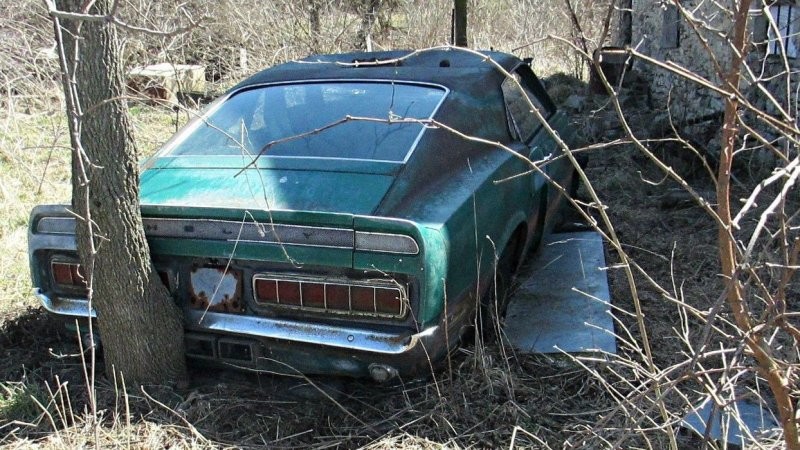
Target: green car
{"points": [[345, 214]]}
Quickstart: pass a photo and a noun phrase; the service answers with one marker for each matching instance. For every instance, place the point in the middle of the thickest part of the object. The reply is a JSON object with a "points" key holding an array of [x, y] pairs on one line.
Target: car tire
{"points": [[575, 181], [541, 223], [496, 296]]}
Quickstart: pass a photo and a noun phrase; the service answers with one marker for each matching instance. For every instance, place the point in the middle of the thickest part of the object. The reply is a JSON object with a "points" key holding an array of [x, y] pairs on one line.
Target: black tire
{"points": [[495, 299], [538, 232], [575, 183]]}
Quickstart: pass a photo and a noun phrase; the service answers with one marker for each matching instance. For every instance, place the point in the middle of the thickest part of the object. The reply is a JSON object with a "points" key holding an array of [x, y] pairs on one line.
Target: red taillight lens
{"points": [[313, 295], [266, 290], [62, 273], [289, 293], [362, 298], [338, 297], [388, 301], [68, 274]]}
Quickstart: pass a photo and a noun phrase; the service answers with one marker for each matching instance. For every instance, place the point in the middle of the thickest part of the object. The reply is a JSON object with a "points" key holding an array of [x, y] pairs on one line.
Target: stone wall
{"points": [[697, 43], [661, 31]]}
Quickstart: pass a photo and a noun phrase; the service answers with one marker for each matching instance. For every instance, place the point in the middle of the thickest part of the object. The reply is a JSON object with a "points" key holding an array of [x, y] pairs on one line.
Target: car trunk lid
{"points": [[275, 209], [265, 189]]}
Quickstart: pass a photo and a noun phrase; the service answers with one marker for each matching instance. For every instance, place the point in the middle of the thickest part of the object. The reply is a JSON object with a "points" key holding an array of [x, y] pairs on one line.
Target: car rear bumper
{"points": [[289, 347]]}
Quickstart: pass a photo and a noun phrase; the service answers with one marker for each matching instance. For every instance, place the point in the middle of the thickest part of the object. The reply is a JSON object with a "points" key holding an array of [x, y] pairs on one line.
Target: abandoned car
{"points": [[344, 214]]}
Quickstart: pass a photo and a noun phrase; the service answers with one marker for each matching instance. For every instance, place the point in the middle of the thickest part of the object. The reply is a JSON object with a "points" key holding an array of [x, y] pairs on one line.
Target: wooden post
{"points": [[460, 23]]}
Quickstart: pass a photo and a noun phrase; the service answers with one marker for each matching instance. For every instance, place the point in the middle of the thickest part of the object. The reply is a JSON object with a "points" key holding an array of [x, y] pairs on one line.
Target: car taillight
{"points": [[71, 275], [266, 291], [289, 293], [337, 297], [362, 298], [334, 297], [313, 295], [388, 301], [67, 274]]}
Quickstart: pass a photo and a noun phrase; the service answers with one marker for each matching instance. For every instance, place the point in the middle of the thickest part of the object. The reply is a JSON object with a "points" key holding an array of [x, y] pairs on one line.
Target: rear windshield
{"points": [[308, 120]]}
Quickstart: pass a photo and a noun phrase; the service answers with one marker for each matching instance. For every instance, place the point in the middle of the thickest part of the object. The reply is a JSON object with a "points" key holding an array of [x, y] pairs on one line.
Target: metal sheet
{"points": [[740, 421], [563, 302]]}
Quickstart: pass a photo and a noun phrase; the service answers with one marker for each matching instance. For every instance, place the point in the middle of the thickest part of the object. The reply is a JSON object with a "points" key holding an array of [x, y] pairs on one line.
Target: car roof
{"points": [[458, 70]]}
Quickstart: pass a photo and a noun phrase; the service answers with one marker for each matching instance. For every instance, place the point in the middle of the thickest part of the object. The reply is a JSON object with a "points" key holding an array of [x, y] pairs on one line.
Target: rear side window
{"points": [[350, 120], [522, 122]]}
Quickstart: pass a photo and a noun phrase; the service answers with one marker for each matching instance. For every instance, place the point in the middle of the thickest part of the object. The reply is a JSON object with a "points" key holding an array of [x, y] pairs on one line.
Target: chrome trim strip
{"points": [[225, 230], [65, 306], [56, 225], [263, 233], [256, 232], [316, 334], [262, 327], [399, 244]]}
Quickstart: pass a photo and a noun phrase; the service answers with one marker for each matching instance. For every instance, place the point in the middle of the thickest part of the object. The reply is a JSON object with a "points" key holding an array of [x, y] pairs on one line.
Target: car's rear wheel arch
{"points": [[539, 222], [494, 299], [515, 245]]}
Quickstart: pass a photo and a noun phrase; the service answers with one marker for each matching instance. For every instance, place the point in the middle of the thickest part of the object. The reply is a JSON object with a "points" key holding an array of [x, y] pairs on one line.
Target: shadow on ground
{"points": [[478, 398]]}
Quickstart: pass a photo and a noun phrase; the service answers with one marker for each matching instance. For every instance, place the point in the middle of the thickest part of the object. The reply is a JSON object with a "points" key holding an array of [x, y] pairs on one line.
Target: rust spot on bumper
{"points": [[215, 289]]}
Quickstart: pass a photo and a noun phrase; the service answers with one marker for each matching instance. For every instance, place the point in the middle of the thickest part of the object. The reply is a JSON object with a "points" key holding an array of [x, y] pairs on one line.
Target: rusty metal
{"points": [[613, 62], [216, 289]]}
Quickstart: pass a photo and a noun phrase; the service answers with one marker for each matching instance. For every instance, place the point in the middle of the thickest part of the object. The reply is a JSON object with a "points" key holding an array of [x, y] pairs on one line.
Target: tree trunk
{"points": [[140, 326], [368, 14], [315, 24], [731, 264]]}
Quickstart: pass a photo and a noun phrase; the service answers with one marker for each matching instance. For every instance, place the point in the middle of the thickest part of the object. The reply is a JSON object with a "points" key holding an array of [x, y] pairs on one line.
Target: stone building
{"points": [[692, 35]]}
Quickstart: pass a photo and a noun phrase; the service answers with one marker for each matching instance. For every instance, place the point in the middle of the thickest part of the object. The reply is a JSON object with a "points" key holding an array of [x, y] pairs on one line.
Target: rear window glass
{"points": [[309, 120], [521, 119]]}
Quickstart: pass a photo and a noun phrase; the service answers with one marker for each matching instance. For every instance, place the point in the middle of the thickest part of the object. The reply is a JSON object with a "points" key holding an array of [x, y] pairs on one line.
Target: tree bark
{"points": [[140, 326], [315, 8], [755, 341], [368, 14]]}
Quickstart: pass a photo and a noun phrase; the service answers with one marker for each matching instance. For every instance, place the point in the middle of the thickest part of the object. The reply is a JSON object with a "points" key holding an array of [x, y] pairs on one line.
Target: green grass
{"points": [[35, 169], [21, 402], [153, 125]]}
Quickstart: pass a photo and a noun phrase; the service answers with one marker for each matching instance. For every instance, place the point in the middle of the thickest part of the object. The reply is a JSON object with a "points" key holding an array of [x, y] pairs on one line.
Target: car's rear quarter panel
{"points": [[471, 191]]}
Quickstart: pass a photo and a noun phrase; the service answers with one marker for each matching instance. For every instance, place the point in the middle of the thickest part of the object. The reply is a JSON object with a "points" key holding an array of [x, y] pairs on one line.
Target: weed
{"points": [[20, 402]]}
